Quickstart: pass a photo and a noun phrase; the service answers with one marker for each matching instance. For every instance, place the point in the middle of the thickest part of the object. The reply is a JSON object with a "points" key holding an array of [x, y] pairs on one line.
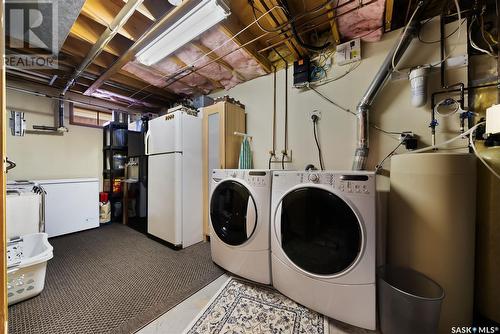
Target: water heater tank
{"points": [[431, 228], [488, 235]]}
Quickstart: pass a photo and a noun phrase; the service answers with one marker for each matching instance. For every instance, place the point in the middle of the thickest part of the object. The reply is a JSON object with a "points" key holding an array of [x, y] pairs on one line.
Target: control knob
{"points": [[314, 178]]}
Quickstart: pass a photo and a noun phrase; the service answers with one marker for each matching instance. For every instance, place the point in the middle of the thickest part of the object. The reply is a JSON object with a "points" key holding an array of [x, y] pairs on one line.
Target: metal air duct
{"points": [[383, 74]]}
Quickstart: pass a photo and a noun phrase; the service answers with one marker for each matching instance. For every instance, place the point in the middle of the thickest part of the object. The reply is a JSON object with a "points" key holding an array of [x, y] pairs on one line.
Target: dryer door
{"points": [[233, 213], [320, 232]]}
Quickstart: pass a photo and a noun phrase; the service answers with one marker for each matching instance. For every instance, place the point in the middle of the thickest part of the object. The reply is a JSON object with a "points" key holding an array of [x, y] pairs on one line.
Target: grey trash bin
{"points": [[409, 302]]}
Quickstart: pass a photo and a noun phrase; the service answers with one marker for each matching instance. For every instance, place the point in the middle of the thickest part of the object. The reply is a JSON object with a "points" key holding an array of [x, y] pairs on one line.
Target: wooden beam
{"points": [[277, 18], [87, 30], [157, 8], [104, 12], [231, 26], [389, 7], [118, 21], [333, 24], [122, 77], [74, 47], [127, 78], [160, 26]]}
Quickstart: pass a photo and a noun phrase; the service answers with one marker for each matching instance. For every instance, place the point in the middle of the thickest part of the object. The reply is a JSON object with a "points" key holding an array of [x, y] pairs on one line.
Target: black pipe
{"points": [[61, 112], [442, 69], [442, 44], [44, 128]]}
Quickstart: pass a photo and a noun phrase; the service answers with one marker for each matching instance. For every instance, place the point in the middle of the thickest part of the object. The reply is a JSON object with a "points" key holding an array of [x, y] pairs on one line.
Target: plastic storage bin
{"points": [[120, 137], [119, 161], [26, 265], [409, 302]]}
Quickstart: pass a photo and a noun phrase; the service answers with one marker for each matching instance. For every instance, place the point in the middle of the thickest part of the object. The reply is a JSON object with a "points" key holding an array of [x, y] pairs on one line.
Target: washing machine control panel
{"points": [[258, 178], [346, 183]]}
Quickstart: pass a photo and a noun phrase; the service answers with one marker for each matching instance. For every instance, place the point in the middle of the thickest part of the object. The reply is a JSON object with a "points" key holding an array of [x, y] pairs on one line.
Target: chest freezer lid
{"points": [[59, 181]]}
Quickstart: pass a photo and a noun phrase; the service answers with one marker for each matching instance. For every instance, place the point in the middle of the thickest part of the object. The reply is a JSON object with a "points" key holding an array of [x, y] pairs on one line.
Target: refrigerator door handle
{"points": [[146, 142]]}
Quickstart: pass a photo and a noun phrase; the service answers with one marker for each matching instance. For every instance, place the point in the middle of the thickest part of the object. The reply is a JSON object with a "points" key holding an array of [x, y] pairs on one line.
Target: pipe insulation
{"points": [[384, 73]]}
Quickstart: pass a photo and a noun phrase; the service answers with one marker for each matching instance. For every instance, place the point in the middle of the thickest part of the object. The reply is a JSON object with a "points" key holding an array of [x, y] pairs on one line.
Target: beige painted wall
{"points": [[337, 129], [76, 154]]}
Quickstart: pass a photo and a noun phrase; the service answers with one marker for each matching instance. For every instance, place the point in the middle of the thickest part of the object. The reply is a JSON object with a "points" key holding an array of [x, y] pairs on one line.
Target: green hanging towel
{"points": [[245, 155]]}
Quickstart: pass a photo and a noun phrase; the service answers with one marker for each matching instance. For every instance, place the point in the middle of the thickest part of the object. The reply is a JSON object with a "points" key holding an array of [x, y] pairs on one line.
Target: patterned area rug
{"points": [[244, 307]]}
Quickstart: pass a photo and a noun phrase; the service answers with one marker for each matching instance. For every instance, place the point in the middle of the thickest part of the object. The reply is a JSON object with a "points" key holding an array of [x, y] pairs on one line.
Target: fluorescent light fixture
{"points": [[202, 17]]}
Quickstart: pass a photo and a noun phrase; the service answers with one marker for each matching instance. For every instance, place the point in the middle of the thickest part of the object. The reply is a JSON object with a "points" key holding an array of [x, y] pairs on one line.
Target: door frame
{"points": [[3, 153]]}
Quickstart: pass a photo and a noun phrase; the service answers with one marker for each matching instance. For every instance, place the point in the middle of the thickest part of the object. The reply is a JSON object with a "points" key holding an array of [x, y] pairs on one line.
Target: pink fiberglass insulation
{"points": [[192, 55], [107, 95], [145, 74], [365, 22], [168, 67], [240, 60], [156, 79]]}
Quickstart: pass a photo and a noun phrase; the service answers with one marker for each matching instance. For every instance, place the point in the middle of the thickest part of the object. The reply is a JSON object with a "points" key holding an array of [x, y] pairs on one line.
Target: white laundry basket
{"points": [[27, 258]]}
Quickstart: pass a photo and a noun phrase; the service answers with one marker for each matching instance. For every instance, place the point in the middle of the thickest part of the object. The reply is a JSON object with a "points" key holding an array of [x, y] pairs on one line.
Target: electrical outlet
{"points": [[315, 113]]}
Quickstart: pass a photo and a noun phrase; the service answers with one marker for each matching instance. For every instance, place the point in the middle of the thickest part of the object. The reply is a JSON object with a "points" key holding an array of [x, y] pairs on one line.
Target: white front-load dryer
{"points": [[240, 203], [323, 237]]}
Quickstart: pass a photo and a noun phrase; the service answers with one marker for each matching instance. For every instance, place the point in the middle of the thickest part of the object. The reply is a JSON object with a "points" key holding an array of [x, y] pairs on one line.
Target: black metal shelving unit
{"points": [[112, 146]]}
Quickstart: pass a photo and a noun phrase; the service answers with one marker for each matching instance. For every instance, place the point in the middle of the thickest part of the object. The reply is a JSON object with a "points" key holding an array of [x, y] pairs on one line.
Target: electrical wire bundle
{"points": [[292, 20], [408, 25], [490, 51]]}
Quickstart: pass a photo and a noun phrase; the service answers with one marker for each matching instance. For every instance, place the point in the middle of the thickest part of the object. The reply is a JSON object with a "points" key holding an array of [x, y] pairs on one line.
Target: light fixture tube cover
{"points": [[202, 17]]}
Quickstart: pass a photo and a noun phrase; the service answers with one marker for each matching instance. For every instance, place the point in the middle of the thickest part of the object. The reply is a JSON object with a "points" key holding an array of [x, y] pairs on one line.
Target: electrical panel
{"points": [[301, 70], [348, 52], [17, 123]]}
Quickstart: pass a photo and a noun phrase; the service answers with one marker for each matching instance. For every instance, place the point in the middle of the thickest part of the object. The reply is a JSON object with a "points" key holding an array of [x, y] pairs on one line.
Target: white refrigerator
{"points": [[173, 145]]}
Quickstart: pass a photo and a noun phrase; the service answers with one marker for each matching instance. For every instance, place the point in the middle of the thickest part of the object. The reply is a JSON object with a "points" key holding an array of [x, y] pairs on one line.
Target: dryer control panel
{"points": [[348, 182]]}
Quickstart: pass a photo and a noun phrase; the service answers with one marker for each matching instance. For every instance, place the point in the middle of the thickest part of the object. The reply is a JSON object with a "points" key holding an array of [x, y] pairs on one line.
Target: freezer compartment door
{"points": [[163, 135], [164, 197]]}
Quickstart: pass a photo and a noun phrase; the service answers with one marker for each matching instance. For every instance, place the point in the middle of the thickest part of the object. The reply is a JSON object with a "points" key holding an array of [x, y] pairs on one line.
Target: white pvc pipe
{"points": [[461, 136], [471, 141]]}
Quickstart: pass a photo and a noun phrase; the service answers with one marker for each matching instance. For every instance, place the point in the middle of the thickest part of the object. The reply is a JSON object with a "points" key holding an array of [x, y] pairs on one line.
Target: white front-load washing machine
{"points": [[323, 238], [240, 203]]}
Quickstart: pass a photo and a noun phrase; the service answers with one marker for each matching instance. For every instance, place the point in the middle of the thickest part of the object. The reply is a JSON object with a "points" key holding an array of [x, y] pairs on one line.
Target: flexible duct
{"points": [[383, 74]]}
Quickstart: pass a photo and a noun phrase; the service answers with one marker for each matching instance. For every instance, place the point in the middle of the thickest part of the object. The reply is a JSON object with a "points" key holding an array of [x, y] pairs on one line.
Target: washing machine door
{"points": [[320, 232], [233, 213]]}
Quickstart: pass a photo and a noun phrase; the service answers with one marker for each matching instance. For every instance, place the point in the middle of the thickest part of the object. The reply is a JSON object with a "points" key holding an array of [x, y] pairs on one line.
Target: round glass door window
{"points": [[233, 213], [320, 233]]}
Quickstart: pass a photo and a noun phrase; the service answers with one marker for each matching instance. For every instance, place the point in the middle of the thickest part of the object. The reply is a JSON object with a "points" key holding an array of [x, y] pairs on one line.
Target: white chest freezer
{"points": [[71, 205]]}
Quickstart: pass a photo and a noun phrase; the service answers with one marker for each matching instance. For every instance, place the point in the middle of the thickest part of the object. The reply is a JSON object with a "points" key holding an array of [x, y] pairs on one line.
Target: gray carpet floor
{"points": [[111, 280]]}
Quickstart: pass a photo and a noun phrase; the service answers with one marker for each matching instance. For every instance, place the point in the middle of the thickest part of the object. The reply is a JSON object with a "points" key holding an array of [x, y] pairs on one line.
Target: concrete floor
{"points": [[178, 318]]}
